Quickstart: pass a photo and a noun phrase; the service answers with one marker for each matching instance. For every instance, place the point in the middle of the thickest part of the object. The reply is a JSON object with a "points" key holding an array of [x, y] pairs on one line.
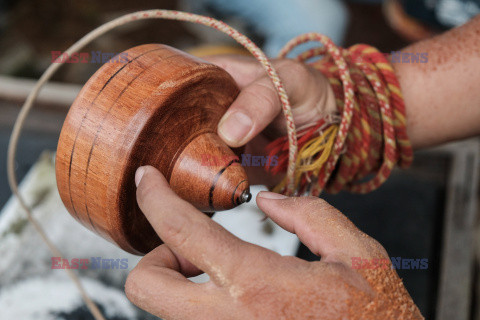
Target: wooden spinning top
{"points": [[161, 107]]}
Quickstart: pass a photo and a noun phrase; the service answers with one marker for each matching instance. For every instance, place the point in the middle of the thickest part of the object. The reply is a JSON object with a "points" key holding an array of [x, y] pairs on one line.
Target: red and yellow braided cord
{"points": [[370, 137]]}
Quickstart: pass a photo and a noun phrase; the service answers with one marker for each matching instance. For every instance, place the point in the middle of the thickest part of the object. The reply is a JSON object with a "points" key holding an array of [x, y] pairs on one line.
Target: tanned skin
{"points": [[442, 98]]}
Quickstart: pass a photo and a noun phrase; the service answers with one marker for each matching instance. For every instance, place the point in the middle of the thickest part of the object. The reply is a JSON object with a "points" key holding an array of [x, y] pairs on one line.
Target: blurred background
{"points": [[426, 212]]}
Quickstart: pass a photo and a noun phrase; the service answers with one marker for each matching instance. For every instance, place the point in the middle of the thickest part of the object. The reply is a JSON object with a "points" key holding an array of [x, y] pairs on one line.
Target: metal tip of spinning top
{"points": [[246, 196]]}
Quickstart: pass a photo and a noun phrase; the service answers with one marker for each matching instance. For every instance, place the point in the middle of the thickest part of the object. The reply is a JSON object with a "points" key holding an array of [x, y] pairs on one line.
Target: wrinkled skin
{"points": [[251, 282], [261, 121], [247, 281]]}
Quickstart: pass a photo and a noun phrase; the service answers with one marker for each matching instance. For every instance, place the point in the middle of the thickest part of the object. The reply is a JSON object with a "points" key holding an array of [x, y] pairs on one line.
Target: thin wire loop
{"points": [[94, 34]]}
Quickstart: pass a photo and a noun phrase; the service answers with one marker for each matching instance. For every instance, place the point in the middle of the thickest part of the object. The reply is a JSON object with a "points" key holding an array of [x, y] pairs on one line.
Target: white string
{"points": [[94, 34]]}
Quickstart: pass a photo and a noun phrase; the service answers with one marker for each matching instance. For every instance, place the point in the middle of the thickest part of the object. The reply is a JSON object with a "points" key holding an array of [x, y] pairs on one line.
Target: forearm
{"points": [[442, 96]]}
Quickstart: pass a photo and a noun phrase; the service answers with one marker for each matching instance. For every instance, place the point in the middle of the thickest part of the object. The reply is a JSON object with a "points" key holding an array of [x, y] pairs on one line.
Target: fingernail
{"points": [[235, 126], [271, 195], [139, 175]]}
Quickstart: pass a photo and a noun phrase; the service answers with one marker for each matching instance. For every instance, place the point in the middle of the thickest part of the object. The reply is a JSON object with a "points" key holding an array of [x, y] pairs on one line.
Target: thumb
{"points": [[322, 228]]}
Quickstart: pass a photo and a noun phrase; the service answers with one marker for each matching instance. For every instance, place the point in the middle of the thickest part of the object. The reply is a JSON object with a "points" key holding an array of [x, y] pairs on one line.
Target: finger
{"points": [[243, 69], [258, 103], [322, 228], [254, 108], [187, 231], [157, 285], [182, 265]]}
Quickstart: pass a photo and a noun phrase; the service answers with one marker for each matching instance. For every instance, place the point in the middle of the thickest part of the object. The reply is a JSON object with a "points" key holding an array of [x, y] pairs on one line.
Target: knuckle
{"points": [[376, 247], [176, 235], [319, 210], [293, 67], [290, 64], [264, 260], [266, 95], [140, 292], [133, 290], [315, 204], [319, 202]]}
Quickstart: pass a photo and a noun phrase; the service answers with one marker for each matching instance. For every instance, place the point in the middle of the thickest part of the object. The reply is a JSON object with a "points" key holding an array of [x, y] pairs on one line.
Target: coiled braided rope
{"points": [[291, 140], [371, 136]]}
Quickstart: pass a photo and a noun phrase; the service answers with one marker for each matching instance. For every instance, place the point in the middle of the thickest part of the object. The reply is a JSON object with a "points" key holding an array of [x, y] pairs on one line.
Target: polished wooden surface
{"points": [[159, 108]]}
